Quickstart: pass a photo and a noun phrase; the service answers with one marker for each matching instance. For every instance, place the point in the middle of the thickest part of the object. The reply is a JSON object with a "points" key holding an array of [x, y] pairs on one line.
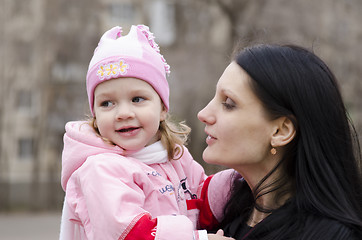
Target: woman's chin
{"points": [[208, 157]]}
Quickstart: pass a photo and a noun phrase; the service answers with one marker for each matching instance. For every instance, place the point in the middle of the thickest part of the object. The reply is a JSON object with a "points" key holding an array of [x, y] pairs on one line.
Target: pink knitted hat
{"points": [[134, 55]]}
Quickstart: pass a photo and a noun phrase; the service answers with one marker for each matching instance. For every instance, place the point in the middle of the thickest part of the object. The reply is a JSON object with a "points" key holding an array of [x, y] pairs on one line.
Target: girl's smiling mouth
{"points": [[127, 129]]}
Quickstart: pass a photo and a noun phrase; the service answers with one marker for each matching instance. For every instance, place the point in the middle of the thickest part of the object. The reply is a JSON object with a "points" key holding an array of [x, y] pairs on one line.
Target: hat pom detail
{"points": [[151, 40]]}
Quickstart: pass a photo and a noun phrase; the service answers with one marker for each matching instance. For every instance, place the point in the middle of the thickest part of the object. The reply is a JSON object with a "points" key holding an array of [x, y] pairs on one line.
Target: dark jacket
{"points": [[287, 223]]}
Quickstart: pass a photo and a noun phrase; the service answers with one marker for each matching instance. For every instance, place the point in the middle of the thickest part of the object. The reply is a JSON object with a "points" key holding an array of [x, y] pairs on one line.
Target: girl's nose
{"points": [[206, 115], [124, 111]]}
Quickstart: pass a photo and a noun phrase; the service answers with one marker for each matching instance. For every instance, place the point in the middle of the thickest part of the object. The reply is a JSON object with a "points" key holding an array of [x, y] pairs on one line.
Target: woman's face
{"points": [[238, 128]]}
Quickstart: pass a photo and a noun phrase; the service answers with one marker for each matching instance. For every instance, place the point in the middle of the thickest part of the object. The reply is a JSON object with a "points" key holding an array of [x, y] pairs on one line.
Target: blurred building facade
{"points": [[46, 45], [45, 49]]}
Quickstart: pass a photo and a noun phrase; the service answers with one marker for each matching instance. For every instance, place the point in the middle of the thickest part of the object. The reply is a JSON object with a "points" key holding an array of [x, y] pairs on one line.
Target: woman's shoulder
{"points": [[317, 227], [290, 223]]}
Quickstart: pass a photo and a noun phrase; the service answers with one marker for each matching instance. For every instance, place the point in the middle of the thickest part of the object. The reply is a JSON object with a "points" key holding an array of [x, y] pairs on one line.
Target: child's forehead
{"points": [[126, 84], [125, 80]]}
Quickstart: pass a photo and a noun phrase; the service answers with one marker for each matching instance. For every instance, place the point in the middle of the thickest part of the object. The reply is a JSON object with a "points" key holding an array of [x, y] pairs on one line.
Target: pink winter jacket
{"points": [[110, 196]]}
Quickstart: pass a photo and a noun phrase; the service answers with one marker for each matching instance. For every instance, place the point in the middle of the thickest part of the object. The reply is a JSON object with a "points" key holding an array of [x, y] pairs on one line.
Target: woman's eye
{"points": [[137, 99], [229, 104], [106, 104]]}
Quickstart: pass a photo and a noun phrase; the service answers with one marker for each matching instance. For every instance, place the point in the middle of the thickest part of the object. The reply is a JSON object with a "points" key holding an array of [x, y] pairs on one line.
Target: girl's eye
{"points": [[229, 104], [137, 99], [106, 104]]}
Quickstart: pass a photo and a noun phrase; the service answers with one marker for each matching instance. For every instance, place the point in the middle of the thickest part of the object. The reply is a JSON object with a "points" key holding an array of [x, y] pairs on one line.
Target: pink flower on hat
{"points": [[101, 72], [123, 67], [112, 70]]}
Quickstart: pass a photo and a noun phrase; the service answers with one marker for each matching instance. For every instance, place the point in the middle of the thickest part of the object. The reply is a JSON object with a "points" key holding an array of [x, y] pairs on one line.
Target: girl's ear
{"points": [[284, 133], [163, 114]]}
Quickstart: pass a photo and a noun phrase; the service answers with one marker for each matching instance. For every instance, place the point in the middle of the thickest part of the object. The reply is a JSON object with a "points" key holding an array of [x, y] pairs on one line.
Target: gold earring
{"points": [[95, 124], [273, 151]]}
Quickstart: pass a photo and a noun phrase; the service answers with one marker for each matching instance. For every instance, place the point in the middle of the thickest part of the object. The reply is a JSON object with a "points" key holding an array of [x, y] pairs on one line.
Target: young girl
{"points": [[125, 172]]}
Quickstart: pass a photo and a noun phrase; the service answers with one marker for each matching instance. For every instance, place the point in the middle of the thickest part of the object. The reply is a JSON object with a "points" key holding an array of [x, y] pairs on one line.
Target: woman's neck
{"points": [[256, 217], [269, 201]]}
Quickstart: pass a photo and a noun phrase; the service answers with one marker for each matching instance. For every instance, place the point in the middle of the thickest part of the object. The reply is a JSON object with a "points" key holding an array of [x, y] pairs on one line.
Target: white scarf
{"points": [[154, 153]]}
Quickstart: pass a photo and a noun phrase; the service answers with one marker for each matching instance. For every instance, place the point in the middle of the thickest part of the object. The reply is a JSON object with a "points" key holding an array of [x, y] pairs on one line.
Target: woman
{"points": [[278, 119]]}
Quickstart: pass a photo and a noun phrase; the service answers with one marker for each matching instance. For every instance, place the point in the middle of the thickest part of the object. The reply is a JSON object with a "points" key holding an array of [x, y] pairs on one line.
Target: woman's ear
{"points": [[284, 132]]}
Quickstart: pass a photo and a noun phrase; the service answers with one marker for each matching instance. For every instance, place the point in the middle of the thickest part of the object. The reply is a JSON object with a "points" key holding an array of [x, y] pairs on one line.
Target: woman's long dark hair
{"points": [[323, 162]]}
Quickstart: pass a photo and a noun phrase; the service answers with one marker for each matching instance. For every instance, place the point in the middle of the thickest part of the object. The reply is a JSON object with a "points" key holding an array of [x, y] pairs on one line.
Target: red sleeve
{"points": [[206, 218], [141, 228]]}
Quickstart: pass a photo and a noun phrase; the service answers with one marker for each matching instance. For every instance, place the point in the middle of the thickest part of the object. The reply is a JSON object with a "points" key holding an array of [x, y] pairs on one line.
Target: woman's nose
{"points": [[205, 115]]}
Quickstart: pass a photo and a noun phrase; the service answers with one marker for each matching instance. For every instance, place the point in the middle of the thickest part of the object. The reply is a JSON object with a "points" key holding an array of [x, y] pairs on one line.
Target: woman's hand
{"points": [[218, 236]]}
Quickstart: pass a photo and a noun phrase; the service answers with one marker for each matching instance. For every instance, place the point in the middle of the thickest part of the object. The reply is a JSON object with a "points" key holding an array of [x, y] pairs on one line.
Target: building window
{"points": [[25, 103], [122, 13], [69, 72], [26, 149], [162, 21], [24, 100]]}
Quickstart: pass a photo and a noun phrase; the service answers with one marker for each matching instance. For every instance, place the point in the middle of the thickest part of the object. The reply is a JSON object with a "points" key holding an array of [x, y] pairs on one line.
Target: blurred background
{"points": [[46, 46]]}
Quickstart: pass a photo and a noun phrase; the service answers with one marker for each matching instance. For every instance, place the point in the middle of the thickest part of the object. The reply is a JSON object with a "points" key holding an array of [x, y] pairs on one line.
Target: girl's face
{"points": [[128, 112], [237, 126]]}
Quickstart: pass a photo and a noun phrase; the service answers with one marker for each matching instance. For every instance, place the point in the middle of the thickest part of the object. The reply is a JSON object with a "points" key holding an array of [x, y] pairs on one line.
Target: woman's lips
{"points": [[210, 139]]}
